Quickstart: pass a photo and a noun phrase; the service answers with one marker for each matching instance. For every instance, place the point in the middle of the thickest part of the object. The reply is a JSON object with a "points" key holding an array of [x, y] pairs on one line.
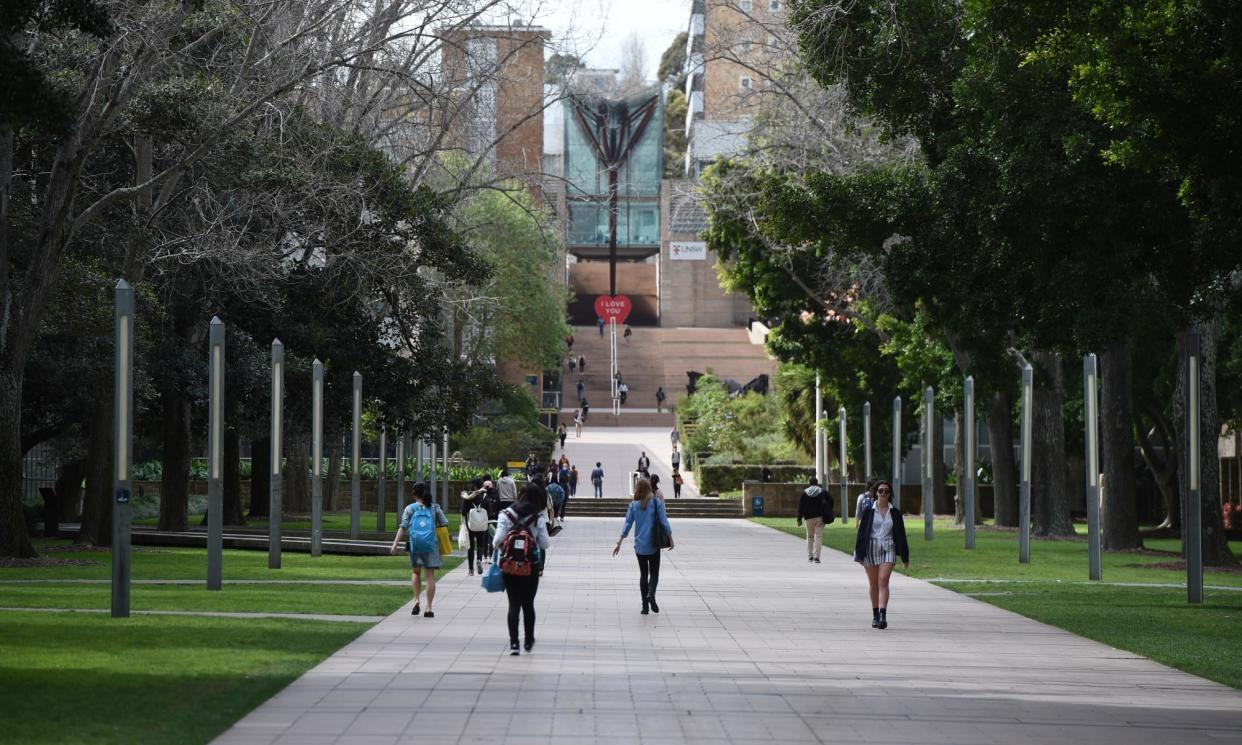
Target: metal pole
{"points": [[820, 471], [355, 481], [1090, 375], [317, 460], [845, 474], [866, 441], [123, 437], [215, 456], [929, 470], [400, 474], [1193, 527], [897, 452], [383, 480], [418, 459], [275, 501], [445, 482], [823, 447], [432, 479], [1024, 504], [968, 462]]}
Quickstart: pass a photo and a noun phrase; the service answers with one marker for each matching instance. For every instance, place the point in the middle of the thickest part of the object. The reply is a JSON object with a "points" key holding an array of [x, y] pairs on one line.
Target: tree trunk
{"points": [[1215, 546], [959, 469], [1050, 502], [69, 489], [97, 505], [14, 540], [1004, 467], [1164, 464], [175, 480], [234, 513], [260, 477], [297, 496], [1120, 510]]}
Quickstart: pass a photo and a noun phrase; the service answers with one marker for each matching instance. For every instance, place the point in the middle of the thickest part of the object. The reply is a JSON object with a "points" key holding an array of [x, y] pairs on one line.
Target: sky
{"points": [[597, 29]]}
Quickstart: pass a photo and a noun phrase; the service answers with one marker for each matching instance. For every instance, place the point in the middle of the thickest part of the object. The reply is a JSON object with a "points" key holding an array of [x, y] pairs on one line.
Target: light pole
{"points": [[929, 469], [866, 441], [123, 421], [445, 485], [401, 438], [897, 451], [317, 460], [1192, 530], [215, 456], [355, 497], [821, 472], [1024, 505], [968, 462], [1090, 377], [275, 502], [845, 474], [383, 480]]}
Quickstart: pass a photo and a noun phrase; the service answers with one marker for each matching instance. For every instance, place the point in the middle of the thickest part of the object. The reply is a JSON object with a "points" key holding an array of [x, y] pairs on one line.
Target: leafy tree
{"points": [[672, 67], [558, 70]]}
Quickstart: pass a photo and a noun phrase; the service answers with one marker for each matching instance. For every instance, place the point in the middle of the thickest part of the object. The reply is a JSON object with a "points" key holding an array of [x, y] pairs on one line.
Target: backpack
{"points": [[557, 493], [423, 531], [517, 553], [476, 519]]}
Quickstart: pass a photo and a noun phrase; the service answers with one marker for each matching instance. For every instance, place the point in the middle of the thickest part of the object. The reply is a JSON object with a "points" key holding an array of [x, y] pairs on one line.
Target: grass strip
{"points": [[146, 679], [333, 522]]}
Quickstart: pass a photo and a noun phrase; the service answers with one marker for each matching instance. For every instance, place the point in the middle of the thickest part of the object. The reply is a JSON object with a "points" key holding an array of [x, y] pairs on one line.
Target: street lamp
{"points": [[276, 501], [929, 469], [1090, 375], [968, 495], [215, 456], [1192, 530], [123, 421], [317, 459], [897, 452], [1024, 507]]}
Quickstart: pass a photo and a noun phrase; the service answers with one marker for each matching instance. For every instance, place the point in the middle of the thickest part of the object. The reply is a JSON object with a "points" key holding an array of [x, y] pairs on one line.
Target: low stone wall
{"points": [[780, 499]]}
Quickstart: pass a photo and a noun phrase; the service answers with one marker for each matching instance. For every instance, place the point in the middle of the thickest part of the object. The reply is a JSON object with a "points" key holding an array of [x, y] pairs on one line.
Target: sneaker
{"points": [[472, 571], [480, 567], [654, 608], [530, 644], [513, 649], [416, 610], [816, 559], [429, 614], [809, 559]]}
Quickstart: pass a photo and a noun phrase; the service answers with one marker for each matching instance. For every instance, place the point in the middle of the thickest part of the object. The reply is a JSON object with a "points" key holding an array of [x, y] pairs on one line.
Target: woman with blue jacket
{"points": [[647, 517]]}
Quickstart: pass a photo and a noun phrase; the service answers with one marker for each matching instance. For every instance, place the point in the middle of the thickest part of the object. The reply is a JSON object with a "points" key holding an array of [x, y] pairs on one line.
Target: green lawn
{"points": [[1155, 622], [147, 679], [333, 522], [162, 679]]}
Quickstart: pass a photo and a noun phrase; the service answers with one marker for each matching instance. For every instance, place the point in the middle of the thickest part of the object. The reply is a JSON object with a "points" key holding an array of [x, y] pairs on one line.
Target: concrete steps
{"points": [[677, 508]]}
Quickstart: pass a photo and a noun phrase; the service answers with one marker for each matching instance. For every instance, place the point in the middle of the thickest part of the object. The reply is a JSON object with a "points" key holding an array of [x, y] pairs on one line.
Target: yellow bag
{"points": [[442, 537]]}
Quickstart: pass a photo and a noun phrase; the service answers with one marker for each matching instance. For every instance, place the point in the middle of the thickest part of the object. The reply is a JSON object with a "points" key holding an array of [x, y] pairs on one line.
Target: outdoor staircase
{"points": [[657, 357], [581, 506]]}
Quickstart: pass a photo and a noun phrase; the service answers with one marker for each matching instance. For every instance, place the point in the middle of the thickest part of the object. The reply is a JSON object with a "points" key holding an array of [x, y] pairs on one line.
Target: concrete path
{"points": [[618, 448], [753, 645]]}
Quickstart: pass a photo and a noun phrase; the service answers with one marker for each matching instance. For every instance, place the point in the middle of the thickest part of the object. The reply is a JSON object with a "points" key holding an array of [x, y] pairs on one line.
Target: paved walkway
{"points": [[618, 448], [753, 645]]}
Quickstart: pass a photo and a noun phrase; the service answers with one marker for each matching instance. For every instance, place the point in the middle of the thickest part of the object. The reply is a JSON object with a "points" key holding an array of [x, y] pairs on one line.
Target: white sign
{"points": [[687, 250]]}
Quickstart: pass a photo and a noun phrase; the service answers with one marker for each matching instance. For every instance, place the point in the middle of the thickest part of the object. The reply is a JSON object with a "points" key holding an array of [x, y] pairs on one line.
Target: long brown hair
{"points": [[642, 493]]}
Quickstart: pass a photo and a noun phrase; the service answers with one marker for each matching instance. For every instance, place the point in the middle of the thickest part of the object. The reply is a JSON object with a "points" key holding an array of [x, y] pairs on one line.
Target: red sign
{"points": [[608, 307]]}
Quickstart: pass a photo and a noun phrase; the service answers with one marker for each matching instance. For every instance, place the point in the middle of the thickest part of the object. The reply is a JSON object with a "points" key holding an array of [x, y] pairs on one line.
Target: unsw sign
{"points": [[687, 250]]}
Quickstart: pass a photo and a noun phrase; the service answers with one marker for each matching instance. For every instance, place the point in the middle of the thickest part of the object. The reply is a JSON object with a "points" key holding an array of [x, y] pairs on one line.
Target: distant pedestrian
{"points": [[562, 433], [581, 391], [765, 475], [866, 498], [474, 515], [599, 323], [418, 529], [521, 534], [644, 463], [557, 495], [597, 480], [586, 410], [628, 333], [569, 343], [650, 523], [677, 482], [573, 481], [578, 424], [582, 364], [661, 397], [881, 539], [655, 486], [674, 437], [815, 509], [676, 459], [506, 492], [532, 464], [623, 391], [573, 364]]}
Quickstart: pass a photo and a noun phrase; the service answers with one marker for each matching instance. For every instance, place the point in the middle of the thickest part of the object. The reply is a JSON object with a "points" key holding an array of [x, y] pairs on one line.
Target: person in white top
{"points": [[881, 539]]}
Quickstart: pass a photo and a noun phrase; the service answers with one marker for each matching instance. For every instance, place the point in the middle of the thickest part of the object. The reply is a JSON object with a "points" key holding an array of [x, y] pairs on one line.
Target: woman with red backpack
{"points": [[521, 537], [418, 527]]}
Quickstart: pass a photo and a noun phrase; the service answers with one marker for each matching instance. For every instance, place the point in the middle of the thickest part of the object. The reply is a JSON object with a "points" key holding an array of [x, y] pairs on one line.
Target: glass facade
{"points": [[638, 180]]}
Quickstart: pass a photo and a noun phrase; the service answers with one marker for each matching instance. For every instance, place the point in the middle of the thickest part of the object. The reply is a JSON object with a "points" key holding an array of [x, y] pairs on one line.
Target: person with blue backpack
{"points": [[521, 538], [418, 529]]}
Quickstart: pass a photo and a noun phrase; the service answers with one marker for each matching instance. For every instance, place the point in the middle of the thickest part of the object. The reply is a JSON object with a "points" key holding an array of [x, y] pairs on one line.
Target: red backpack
{"points": [[518, 551]]}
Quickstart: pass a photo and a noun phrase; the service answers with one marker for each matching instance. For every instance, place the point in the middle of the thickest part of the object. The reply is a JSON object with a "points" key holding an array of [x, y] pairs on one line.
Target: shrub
{"points": [[729, 477]]}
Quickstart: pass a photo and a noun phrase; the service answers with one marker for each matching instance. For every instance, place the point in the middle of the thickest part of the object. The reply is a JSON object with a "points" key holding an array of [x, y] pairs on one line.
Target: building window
{"points": [[745, 47], [774, 5], [746, 5], [746, 83]]}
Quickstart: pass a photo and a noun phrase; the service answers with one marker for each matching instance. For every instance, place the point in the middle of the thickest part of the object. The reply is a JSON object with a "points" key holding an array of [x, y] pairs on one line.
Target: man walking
{"points": [[599, 323], [815, 507], [674, 437], [661, 396], [581, 391], [644, 464], [597, 480], [676, 459], [582, 364]]}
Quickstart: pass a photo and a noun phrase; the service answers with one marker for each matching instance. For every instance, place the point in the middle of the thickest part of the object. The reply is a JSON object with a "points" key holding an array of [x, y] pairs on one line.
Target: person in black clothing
{"points": [[765, 475], [881, 539], [528, 510], [478, 538], [815, 508]]}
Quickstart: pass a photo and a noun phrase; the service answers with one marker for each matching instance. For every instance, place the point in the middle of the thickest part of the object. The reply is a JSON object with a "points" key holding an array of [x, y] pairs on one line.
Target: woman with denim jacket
{"points": [[644, 514]]}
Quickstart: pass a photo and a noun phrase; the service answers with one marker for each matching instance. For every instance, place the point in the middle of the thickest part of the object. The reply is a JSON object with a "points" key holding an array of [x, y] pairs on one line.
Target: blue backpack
{"points": [[423, 531], [557, 493]]}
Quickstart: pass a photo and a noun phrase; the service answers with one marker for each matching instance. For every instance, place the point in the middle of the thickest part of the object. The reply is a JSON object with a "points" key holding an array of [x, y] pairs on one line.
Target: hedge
{"points": [[721, 478]]}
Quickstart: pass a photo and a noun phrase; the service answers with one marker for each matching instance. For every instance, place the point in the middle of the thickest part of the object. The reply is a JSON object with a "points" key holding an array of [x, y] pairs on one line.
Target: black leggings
{"points": [[478, 546], [648, 565], [521, 592]]}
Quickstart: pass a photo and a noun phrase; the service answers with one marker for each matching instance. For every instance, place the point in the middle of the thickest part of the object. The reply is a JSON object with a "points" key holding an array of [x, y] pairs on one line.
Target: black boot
{"points": [[875, 618], [883, 619], [654, 608]]}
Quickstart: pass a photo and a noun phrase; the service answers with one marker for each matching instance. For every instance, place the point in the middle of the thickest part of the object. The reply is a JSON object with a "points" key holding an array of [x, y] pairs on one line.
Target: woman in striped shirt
{"points": [[881, 539]]}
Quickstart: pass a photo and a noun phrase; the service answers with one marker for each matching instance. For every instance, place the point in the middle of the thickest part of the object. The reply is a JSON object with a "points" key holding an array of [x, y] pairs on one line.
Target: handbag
{"points": [[463, 536], [493, 580], [442, 538], [658, 536]]}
